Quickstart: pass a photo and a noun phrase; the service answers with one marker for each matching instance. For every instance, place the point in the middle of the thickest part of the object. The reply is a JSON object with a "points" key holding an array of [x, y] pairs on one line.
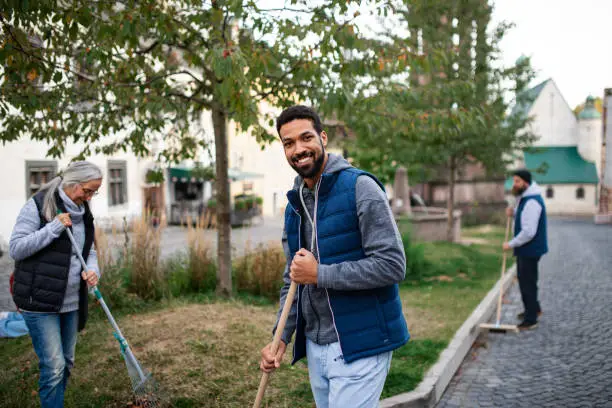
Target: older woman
{"points": [[50, 287]]}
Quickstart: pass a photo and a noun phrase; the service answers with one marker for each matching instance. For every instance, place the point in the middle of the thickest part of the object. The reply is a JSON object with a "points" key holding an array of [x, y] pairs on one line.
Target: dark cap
{"points": [[524, 174]]}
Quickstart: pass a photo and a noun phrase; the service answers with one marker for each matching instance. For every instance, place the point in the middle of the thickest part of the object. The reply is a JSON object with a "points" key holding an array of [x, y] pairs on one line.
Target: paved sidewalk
{"points": [[567, 360]]}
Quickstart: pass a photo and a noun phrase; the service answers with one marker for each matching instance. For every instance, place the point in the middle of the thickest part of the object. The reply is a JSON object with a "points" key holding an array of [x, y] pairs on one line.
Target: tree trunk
{"points": [[224, 254], [450, 203]]}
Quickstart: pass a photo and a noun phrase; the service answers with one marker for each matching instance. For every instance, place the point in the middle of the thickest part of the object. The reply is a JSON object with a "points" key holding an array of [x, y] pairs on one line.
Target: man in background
{"points": [[530, 242]]}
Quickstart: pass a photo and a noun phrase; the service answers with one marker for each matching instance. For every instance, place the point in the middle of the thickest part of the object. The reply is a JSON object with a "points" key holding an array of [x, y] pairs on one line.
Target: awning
{"points": [[180, 173], [238, 175], [183, 174]]}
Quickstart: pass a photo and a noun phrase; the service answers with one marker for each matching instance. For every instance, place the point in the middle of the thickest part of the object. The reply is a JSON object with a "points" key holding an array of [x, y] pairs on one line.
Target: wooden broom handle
{"points": [[276, 341], [503, 271]]}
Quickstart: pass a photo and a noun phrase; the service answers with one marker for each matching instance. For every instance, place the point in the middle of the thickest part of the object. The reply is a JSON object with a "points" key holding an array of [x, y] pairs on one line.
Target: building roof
{"points": [[558, 165], [589, 111], [523, 107]]}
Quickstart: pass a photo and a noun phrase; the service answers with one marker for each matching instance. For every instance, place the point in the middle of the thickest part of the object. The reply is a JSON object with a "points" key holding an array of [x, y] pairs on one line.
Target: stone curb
{"points": [[430, 390]]}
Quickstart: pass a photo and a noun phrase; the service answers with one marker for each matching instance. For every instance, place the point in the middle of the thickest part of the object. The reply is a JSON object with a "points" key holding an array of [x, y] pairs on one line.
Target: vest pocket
{"points": [[382, 323]]}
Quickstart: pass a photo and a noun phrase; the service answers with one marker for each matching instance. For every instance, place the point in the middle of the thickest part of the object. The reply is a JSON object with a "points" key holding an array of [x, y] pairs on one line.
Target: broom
{"points": [[144, 387], [497, 327]]}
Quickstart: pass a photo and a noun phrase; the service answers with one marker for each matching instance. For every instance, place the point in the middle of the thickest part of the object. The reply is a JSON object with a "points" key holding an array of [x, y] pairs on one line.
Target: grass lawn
{"points": [[205, 352]]}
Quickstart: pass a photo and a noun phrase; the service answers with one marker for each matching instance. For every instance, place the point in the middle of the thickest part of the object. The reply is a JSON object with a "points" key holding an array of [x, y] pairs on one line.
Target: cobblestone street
{"points": [[566, 361]]}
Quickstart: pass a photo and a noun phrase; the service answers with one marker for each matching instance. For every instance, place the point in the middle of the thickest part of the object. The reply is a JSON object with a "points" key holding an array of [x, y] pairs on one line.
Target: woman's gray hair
{"points": [[76, 173]]}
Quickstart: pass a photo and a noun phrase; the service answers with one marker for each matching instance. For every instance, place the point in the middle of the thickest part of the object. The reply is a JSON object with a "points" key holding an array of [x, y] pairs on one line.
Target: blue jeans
{"points": [[54, 339], [335, 383]]}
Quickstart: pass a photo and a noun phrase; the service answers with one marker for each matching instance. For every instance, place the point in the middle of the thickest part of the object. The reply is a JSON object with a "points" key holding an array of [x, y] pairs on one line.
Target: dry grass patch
{"points": [[203, 355]]}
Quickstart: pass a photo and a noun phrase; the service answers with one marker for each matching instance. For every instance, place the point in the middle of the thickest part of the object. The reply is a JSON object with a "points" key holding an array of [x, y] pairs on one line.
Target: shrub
{"points": [[115, 273], [417, 266], [145, 277], [240, 205], [201, 266], [260, 271]]}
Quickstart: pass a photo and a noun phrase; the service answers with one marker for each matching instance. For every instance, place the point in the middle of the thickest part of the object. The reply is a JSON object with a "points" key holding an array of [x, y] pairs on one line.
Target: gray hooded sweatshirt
{"points": [[384, 264]]}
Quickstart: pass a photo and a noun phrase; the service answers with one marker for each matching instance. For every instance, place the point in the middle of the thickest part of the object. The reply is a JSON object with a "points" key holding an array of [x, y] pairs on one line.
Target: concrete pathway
{"points": [[567, 360]]}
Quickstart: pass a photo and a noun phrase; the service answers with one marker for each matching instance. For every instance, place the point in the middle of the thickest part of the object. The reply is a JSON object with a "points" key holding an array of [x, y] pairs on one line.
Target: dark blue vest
{"points": [[538, 246], [368, 322]]}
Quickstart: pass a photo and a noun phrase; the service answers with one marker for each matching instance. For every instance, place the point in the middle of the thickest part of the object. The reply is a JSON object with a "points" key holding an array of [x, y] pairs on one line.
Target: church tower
{"points": [[590, 133]]}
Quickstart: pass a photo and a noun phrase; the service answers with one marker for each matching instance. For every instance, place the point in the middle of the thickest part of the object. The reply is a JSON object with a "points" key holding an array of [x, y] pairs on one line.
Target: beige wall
{"points": [[246, 154], [486, 192], [565, 201]]}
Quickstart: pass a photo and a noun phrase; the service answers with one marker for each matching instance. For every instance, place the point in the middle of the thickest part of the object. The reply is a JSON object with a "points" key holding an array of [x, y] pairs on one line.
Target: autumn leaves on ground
{"points": [[205, 351]]}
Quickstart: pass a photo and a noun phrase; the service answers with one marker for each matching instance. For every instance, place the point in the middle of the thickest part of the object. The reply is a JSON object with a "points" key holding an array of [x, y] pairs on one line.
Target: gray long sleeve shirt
{"points": [[28, 238], [384, 264]]}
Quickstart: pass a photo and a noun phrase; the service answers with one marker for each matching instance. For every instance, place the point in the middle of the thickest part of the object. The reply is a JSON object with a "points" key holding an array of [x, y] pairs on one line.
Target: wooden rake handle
{"points": [[276, 341], [503, 271]]}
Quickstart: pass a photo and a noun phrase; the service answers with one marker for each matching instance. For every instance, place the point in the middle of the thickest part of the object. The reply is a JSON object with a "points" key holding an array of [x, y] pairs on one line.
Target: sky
{"points": [[569, 41]]}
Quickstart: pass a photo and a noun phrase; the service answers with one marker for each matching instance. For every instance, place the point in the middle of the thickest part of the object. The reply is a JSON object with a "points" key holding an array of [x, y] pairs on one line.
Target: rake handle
{"points": [[276, 341], [110, 317], [503, 271]]}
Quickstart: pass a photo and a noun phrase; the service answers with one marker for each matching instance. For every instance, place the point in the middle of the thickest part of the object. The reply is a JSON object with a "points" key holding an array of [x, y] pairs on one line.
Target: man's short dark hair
{"points": [[299, 112]]}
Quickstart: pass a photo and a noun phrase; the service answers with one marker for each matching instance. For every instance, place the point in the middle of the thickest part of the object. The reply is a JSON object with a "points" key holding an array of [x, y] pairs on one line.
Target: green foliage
{"points": [[240, 205], [451, 105], [114, 288], [409, 365], [260, 271], [244, 202], [201, 267], [417, 267], [177, 276], [120, 76], [204, 173], [155, 176], [427, 261], [149, 69]]}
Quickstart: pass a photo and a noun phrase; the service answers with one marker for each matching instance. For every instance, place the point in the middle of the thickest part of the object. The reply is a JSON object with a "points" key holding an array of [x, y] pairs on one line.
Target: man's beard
{"points": [[317, 164], [517, 191]]}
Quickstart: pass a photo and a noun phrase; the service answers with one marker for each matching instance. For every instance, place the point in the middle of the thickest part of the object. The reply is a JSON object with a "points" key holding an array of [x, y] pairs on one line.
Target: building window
{"points": [[117, 182], [580, 193], [550, 193], [39, 173]]}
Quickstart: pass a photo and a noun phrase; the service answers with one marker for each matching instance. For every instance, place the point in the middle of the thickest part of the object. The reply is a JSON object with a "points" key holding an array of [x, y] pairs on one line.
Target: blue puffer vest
{"points": [[368, 322], [538, 246]]}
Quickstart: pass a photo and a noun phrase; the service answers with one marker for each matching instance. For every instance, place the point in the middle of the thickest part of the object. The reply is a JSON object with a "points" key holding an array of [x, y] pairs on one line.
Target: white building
{"points": [[125, 192], [24, 160], [566, 158]]}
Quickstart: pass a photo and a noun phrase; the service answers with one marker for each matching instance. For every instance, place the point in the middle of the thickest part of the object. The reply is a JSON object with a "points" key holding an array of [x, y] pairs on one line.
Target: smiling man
{"points": [[344, 250]]}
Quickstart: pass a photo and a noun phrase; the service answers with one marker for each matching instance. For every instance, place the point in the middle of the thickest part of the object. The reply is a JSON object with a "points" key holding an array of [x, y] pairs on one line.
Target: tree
{"points": [[117, 74], [452, 109]]}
